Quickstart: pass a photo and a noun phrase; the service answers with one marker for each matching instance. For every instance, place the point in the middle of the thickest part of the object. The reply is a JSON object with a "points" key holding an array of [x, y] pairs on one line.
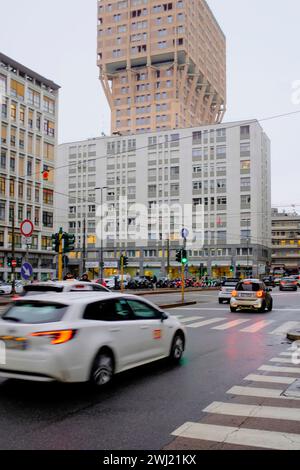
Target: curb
{"points": [[174, 291], [181, 304], [293, 335]]}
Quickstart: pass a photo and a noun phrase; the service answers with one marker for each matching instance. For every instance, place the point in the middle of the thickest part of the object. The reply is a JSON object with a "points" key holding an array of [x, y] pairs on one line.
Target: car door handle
{"points": [[114, 330]]}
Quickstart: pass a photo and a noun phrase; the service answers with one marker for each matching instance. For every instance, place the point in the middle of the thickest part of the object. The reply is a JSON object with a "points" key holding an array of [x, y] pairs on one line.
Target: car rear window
{"points": [[249, 286], [35, 312], [230, 283]]}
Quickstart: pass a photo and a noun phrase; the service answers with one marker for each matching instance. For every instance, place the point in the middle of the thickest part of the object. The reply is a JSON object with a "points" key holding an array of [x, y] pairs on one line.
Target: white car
{"points": [[6, 289], [90, 337], [226, 290], [64, 286]]}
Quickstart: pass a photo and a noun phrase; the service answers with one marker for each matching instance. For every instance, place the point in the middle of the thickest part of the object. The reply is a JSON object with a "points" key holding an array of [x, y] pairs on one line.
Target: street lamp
{"points": [[101, 189]]}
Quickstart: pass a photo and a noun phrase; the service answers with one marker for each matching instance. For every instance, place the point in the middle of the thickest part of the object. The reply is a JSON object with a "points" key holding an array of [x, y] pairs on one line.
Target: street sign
{"points": [[14, 263], [185, 233], [26, 240], [27, 228], [26, 271]]}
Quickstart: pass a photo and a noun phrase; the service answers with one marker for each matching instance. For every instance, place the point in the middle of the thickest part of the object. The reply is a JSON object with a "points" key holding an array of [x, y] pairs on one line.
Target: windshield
{"points": [[34, 312]]}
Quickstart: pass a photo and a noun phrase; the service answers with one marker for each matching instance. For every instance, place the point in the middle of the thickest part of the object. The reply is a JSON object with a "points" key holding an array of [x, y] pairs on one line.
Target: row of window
{"points": [[17, 190], [47, 217], [19, 117]]}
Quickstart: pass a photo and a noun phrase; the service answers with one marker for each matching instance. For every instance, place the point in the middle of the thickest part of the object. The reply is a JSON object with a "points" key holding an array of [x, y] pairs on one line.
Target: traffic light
{"points": [[124, 260], [231, 268], [55, 242], [9, 260], [69, 244], [178, 256], [19, 262], [45, 175], [184, 258]]}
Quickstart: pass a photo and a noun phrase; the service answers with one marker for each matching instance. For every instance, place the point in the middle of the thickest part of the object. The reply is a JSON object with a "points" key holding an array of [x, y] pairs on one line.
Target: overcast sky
{"points": [[58, 40]]}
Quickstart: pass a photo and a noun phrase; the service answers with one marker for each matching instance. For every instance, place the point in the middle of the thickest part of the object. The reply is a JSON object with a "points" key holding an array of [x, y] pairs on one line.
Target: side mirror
{"points": [[164, 316]]}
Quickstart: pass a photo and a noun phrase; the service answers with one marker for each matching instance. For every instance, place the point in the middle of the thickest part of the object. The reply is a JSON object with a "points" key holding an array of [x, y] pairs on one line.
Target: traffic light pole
{"points": [[60, 255], [122, 273], [13, 286]]}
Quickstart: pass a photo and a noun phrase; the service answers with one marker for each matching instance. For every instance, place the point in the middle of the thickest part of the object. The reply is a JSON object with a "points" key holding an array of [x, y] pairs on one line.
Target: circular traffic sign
{"points": [[14, 263], [185, 233], [27, 228]]}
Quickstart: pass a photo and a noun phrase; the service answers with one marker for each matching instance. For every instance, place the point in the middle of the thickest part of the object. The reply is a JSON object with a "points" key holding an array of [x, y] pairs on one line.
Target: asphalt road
{"points": [[144, 407]]}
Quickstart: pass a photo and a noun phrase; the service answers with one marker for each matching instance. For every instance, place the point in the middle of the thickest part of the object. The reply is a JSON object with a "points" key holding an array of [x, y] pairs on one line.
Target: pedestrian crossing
{"points": [[254, 416], [245, 325]]}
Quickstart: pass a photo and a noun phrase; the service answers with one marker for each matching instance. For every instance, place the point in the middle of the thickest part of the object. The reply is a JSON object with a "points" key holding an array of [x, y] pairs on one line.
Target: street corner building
{"points": [[162, 64], [224, 168], [29, 110]]}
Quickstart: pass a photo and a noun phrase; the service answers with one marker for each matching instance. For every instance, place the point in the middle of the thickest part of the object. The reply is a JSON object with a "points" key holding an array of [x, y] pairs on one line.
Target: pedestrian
{"points": [[85, 278]]}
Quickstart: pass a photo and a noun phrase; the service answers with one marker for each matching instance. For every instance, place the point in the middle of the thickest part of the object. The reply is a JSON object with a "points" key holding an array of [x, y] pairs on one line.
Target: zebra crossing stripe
{"points": [[267, 368], [206, 322], [239, 436], [188, 319], [282, 360], [255, 392], [257, 326], [230, 324], [254, 411], [270, 379], [287, 326]]}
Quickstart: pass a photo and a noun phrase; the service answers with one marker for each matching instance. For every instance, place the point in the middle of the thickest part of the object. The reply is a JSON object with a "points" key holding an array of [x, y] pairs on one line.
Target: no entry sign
{"points": [[26, 228]]}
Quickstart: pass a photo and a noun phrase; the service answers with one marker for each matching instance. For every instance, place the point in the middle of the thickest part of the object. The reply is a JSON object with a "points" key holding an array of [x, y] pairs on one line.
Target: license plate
{"points": [[19, 344], [246, 295]]}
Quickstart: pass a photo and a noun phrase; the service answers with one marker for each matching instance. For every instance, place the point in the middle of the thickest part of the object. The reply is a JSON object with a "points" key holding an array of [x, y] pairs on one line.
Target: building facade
{"points": [[285, 242], [28, 121], [224, 169], [162, 64]]}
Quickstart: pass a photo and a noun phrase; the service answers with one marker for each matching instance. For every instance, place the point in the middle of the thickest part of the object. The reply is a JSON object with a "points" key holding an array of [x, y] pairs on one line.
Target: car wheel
{"points": [[233, 309], [177, 348], [263, 308], [102, 370], [270, 308]]}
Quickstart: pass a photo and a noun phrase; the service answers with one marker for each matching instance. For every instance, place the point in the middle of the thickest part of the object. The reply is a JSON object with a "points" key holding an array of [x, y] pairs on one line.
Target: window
{"points": [[245, 132], [108, 311], [48, 219], [143, 311], [245, 166], [48, 196]]}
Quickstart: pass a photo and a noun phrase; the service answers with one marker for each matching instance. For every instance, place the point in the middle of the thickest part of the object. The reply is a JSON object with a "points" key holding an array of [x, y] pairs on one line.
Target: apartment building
{"points": [[224, 169], [162, 64], [285, 242], [29, 106]]}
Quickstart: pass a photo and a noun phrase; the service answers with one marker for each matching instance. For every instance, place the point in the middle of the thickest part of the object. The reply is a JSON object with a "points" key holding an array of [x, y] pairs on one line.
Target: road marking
{"points": [[267, 368], [254, 411], [258, 392], [270, 379], [239, 436], [289, 325], [204, 309], [230, 324], [257, 326], [188, 319], [289, 354], [206, 322], [281, 360]]}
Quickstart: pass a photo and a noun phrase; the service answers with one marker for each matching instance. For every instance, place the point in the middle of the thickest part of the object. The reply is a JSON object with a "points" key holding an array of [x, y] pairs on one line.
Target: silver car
{"points": [[251, 294], [226, 290]]}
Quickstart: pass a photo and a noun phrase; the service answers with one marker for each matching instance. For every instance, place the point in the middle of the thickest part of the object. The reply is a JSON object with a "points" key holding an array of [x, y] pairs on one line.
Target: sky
{"points": [[58, 40]]}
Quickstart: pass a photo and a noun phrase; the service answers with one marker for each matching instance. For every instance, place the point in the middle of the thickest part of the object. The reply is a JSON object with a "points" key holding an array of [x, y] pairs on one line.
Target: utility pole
{"points": [[168, 258], [13, 288], [122, 272]]}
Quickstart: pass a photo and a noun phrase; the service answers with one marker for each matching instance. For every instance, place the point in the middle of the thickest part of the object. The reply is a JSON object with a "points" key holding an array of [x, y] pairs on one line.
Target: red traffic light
{"points": [[14, 263], [45, 175]]}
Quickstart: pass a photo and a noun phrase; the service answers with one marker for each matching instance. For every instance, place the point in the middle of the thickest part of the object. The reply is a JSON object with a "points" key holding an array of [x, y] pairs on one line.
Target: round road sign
{"points": [[14, 263], [26, 228]]}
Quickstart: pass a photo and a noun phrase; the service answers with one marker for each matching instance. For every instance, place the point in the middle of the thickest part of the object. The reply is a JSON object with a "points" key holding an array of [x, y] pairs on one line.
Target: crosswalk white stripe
{"points": [[254, 411], [257, 326], [282, 360], [289, 354], [239, 436], [270, 379], [206, 322], [267, 368], [287, 326], [259, 392], [188, 319], [230, 324]]}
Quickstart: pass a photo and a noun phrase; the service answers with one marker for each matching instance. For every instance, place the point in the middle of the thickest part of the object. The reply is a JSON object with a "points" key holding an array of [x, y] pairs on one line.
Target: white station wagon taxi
{"points": [[70, 338]]}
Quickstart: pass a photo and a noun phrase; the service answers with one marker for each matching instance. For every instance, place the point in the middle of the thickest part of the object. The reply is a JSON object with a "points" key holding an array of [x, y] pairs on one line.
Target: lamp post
{"points": [[101, 189]]}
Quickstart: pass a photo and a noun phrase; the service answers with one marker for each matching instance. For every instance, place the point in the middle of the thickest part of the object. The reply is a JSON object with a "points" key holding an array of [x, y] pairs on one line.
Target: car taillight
{"points": [[57, 337], [282, 282], [234, 293], [260, 294]]}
